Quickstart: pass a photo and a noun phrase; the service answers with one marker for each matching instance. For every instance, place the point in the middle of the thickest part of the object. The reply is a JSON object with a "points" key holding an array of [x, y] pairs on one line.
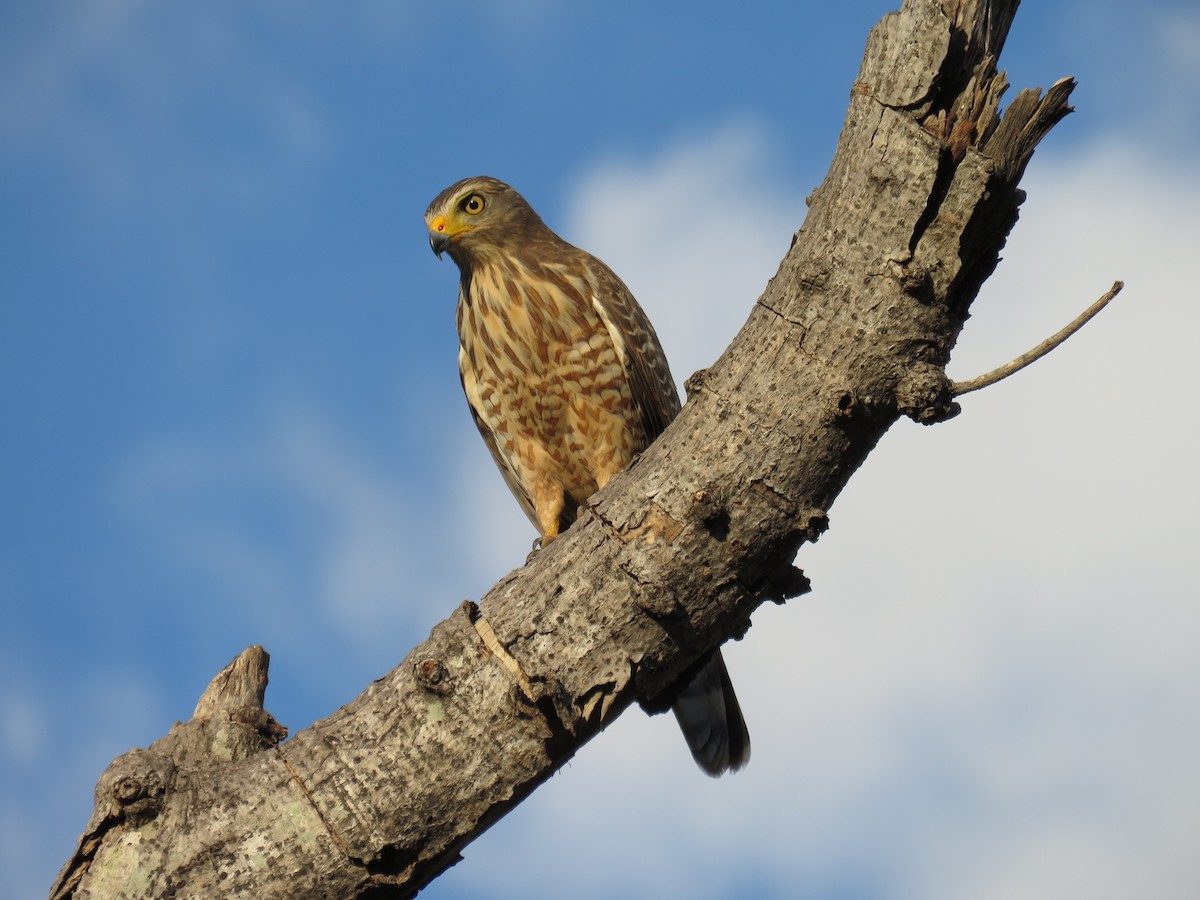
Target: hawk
{"points": [[567, 382]]}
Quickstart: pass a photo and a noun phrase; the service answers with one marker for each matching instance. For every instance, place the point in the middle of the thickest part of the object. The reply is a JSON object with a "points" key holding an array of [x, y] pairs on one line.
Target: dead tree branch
{"points": [[669, 560]]}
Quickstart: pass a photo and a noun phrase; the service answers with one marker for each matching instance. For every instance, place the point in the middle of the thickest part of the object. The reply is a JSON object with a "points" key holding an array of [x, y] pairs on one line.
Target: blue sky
{"points": [[232, 416]]}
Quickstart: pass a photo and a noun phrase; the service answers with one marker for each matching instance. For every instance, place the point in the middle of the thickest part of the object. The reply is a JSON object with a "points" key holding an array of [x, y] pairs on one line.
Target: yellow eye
{"points": [[473, 205]]}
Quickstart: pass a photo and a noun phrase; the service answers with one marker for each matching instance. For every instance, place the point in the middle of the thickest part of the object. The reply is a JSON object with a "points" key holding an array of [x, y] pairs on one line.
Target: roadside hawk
{"points": [[567, 382]]}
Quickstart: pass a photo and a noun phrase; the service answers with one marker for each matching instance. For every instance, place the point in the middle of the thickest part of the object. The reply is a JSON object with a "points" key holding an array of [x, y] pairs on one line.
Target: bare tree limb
{"points": [[854, 331], [965, 387]]}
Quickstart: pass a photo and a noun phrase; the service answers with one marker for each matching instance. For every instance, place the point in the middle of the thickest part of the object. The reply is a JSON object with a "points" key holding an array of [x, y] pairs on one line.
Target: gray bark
{"points": [[672, 558]]}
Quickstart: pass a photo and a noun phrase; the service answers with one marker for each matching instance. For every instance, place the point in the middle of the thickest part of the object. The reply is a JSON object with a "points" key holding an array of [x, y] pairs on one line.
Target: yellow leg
{"points": [[548, 502]]}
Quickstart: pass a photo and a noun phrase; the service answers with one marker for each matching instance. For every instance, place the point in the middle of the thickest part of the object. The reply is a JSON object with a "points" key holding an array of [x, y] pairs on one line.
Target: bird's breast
{"points": [[543, 374]]}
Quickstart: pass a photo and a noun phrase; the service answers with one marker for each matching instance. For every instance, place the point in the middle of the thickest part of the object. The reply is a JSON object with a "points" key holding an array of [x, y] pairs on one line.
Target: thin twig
{"points": [[963, 387]]}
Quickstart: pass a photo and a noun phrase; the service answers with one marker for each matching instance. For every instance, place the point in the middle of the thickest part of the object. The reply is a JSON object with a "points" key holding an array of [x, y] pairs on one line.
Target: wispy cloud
{"points": [[344, 543], [141, 108]]}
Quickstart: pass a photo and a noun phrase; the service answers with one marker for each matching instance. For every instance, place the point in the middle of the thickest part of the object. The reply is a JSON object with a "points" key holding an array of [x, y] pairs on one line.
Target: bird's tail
{"points": [[711, 720]]}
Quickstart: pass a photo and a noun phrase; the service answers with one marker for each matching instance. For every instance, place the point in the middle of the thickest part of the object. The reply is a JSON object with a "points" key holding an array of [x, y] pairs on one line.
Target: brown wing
{"points": [[645, 362]]}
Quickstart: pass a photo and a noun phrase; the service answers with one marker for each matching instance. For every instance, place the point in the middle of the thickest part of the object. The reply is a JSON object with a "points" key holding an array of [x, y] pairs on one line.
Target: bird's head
{"points": [[475, 215]]}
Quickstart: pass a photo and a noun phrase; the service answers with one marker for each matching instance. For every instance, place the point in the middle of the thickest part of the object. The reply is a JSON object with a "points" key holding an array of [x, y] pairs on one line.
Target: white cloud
{"points": [[991, 692], [350, 521]]}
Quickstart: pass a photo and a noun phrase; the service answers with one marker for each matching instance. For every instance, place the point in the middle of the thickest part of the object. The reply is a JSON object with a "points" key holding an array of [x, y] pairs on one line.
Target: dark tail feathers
{"points": [[711, 720]]}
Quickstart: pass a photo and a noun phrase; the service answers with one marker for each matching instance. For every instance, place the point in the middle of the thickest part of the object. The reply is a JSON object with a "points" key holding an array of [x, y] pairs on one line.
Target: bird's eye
{"points": [[473, 205]]}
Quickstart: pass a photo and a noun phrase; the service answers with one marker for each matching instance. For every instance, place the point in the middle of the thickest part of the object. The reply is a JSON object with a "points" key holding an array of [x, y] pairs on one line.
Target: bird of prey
{"points": [[567, 382]]}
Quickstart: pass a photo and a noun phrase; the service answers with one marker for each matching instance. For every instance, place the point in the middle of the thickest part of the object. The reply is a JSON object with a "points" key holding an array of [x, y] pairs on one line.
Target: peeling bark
{"points": [[853, 332]]}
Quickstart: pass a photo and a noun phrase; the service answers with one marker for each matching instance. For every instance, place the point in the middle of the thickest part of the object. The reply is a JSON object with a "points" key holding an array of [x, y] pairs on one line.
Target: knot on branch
{"points": [[133, 787], [130, 793], [696, 383], [925, 394], [843, 404], [915, 280], [433, 675], [713, 514]]}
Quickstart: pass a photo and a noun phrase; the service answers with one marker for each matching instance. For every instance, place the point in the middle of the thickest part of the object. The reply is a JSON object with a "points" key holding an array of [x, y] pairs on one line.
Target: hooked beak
{"points": [[437, 242], [440, 233]]}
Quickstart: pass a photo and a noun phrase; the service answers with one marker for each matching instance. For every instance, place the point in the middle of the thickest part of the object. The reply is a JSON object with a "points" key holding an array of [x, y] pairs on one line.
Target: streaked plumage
{"points": [[567, 382]]}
